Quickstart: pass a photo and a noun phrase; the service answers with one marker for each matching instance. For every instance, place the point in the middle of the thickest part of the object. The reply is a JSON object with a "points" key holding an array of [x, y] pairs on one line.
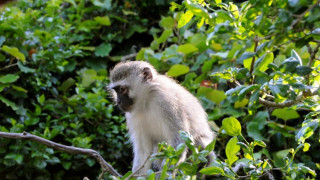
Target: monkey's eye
{"points": [[123, 90]]}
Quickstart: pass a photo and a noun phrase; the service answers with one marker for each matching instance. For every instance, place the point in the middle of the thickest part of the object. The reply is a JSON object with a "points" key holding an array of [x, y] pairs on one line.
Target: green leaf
{"points": [[18, 88], [216, 96], [262, 63], [9, 103], [316, 32], [187, 48], [185, 18], [25, 69], [103, 50], [103, 3], [196, 9], [67, 84], [232, 126], [296, 56], [306, 147], [289, 65], [303, 70], [41, 99], [88, 77], [241, 104], [2, 39], [13, 51], [212, 170], [105, 20], [285, 114], [259, 143], [167, 22], [231, 150], [9, 78], [164, 36], [177, 70], [39, 163]]}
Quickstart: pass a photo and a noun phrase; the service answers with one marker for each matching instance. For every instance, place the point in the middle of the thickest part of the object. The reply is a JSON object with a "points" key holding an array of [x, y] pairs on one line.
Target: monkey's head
{"points": [[129, 82]]}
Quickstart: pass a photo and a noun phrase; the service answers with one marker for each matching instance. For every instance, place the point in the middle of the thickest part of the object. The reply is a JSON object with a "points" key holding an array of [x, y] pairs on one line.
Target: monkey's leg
{"points": [[142, 151]]}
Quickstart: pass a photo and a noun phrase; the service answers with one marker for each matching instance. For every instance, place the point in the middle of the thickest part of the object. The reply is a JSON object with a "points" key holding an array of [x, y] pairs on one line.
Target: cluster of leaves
{"points": [[256, 63], [54, 57]]}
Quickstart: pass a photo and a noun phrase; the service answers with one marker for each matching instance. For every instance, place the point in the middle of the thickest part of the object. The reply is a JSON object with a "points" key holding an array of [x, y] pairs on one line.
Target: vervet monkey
{"points": [[156, 109]]}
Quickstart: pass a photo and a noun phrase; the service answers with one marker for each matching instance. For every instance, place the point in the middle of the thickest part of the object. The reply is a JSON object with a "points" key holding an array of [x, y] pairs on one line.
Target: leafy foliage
{"points": [[254, 65]]}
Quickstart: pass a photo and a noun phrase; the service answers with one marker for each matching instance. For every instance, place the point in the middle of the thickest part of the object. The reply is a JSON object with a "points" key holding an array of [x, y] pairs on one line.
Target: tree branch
{"points": [[286, 103], [69, 149]]}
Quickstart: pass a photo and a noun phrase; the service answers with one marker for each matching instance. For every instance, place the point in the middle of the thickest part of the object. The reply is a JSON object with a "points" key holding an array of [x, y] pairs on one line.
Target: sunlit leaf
{"points": [[9, 78], [231, 150], [232, 126], [177, 70], [105, 20], [14, 52]]}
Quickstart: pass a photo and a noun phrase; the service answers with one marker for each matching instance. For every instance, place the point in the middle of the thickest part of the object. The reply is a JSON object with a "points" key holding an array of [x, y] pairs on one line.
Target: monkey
{"points": [[156, 109]]}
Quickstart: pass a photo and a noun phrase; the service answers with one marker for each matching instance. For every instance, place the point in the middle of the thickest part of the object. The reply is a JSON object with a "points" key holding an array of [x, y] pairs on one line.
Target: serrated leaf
{"points": [[9, 78], [231, 150], [105, 20], [13, 51], [187, 48], [232, 126], [177, 70], [103, 50], [285, 114]]}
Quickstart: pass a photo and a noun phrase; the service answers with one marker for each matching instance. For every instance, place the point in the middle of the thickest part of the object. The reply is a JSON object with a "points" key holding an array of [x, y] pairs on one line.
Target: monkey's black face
{"points": [[123, 100]]}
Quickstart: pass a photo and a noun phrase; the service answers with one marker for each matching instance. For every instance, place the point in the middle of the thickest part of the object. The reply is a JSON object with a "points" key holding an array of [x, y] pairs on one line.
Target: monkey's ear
{"points": [[147, 74]]}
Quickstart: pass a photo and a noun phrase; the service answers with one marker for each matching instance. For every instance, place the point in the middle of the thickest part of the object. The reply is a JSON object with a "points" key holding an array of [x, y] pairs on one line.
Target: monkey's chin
{"points": [[125, 108]]}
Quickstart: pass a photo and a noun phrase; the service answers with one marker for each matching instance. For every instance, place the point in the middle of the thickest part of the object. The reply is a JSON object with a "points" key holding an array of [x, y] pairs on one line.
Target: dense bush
{"points": [[54, 59], [254, 65]]}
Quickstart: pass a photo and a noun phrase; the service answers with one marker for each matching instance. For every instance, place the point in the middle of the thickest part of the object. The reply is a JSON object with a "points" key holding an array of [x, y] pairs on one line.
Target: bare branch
{"points": [[69, 149], [129, 56]]}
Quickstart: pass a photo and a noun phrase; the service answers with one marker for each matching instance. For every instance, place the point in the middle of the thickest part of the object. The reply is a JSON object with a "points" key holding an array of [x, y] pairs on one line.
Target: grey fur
{"points": [[161, 109]]}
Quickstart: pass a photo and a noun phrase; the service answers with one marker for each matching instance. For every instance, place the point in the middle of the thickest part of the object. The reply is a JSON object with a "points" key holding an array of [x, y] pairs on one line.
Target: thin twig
{"points": [[136, 171], [9, 66], [300, 16], [129, 56], [286, 103], [69, 149]]}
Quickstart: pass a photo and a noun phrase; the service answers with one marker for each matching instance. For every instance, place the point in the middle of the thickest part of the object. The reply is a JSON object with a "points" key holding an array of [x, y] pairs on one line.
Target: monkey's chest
{"points": [[150, 126]]}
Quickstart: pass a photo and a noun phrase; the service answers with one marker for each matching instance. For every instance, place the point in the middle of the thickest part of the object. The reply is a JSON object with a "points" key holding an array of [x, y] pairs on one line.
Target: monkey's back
{"points": [[187, 109]]}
